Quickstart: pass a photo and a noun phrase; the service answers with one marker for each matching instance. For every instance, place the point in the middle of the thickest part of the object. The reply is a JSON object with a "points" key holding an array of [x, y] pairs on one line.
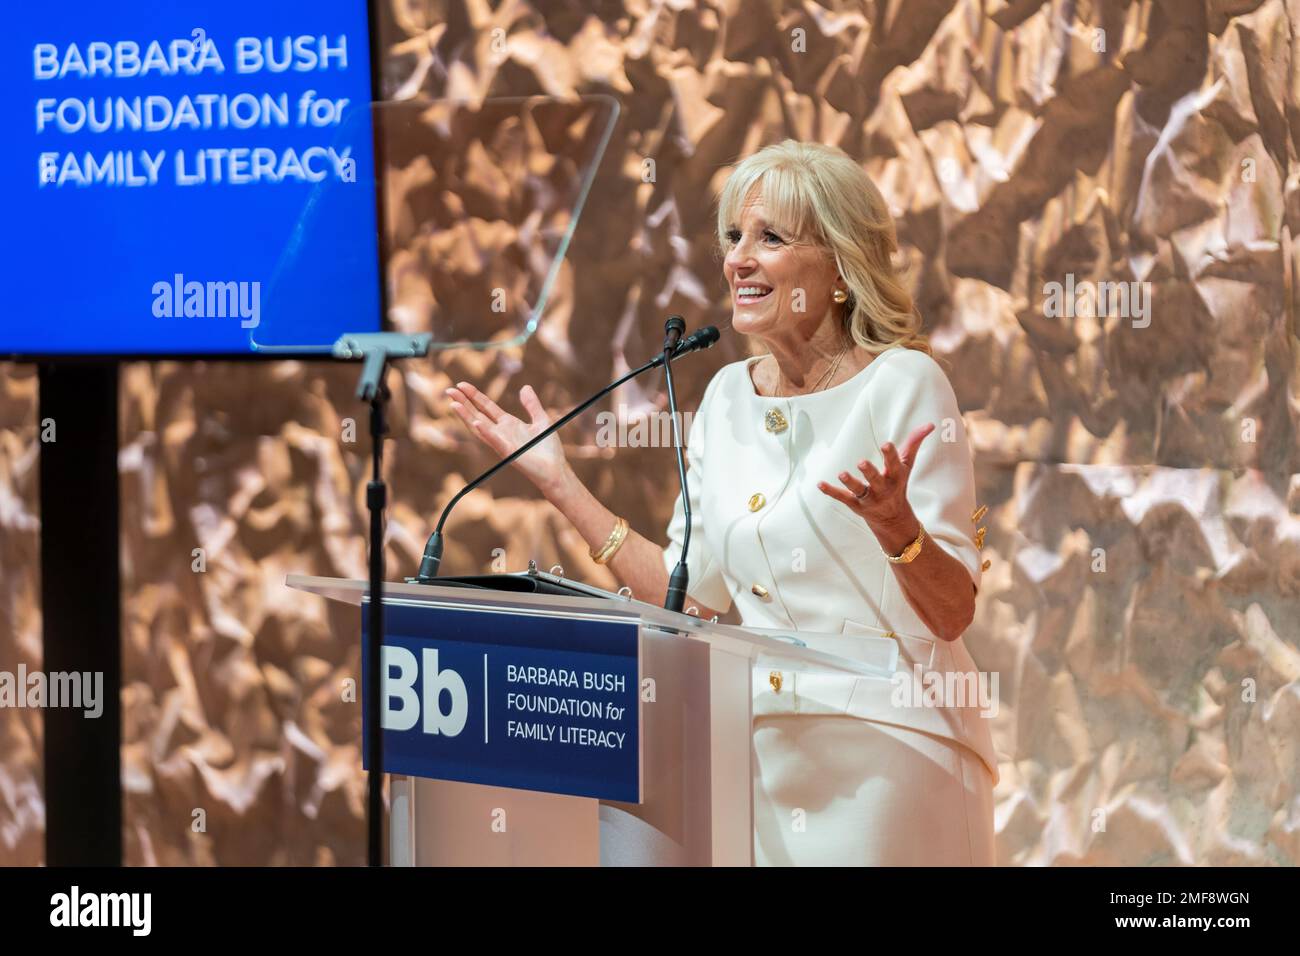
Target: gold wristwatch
{"points": [[909, 553]]}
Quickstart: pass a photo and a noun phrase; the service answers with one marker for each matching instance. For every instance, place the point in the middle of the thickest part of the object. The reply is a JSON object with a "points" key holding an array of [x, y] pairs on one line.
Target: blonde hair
{"points": [[818, 192]]}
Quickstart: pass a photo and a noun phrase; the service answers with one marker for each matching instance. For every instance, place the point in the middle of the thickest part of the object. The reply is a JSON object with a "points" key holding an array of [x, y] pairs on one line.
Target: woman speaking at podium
{"points": [[832, 492]]}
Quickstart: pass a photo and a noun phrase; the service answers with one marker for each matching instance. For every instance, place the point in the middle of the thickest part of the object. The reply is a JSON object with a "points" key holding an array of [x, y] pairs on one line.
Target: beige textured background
{"points": [[1160, 696]]}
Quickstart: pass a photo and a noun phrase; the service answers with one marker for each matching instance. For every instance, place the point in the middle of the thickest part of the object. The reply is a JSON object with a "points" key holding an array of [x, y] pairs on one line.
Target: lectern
{"points": [[525, 729]]}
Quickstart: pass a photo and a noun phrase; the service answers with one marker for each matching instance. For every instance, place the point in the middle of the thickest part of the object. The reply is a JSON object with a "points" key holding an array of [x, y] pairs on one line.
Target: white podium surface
{"points": [[696, 754]]}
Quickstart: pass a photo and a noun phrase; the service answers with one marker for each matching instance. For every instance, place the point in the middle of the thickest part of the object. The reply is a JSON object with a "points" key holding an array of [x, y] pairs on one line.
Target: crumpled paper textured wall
{"points": [[1142, 603], [22, 805]]}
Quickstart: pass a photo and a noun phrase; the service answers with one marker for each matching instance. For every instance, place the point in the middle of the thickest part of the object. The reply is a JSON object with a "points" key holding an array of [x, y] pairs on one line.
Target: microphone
{"points": [[674, 328], [697, 341], [675, 598], [704, 338]]}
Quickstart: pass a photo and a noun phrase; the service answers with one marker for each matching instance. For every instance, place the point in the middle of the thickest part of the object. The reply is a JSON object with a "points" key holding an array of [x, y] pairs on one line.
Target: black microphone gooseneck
{"points": [[675, 599], [432, 556]]}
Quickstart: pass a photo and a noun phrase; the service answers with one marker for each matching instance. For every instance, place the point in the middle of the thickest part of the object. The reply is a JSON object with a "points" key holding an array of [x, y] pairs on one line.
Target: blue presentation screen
{"points": [[186, 177]]}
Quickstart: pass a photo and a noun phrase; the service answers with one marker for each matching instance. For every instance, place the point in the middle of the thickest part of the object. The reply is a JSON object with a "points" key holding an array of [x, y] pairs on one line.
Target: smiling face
{"points": [[777, 280]]}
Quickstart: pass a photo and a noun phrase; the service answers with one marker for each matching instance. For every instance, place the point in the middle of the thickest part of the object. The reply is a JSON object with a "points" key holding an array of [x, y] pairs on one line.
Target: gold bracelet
{"points": [[908, 554], [612, 543]]}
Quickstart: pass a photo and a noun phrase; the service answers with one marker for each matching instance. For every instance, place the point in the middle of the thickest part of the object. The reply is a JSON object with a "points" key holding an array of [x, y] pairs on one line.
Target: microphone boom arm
{"points": [[541, 436], [432, 557]]}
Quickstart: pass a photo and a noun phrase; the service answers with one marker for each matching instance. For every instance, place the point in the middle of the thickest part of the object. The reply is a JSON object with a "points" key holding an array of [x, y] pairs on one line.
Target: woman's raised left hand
{"points": [[881, 500]]}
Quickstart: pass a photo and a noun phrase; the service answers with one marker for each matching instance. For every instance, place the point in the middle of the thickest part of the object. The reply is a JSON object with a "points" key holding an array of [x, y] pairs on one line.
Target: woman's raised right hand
{"points": [[544, 465]]}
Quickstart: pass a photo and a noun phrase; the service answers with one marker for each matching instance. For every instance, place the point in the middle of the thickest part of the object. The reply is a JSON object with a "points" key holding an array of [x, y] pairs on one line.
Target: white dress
{"points": [[848, 770]]}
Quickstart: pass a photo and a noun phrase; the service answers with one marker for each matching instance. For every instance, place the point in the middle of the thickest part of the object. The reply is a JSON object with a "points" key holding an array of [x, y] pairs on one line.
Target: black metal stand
{"points": [[376, 350], [81, 609], [376, 501]]}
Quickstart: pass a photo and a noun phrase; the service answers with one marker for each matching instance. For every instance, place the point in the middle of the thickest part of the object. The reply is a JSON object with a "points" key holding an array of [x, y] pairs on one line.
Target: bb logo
{"points": [[400, 688]]}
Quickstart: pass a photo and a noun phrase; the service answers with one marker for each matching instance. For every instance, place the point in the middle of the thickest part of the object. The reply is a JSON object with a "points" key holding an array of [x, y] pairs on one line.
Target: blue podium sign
{"points": [[510, 700]]}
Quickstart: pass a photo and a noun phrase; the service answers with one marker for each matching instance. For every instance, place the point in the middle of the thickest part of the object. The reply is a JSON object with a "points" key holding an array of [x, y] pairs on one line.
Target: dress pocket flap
{"points": [[912, 649]]}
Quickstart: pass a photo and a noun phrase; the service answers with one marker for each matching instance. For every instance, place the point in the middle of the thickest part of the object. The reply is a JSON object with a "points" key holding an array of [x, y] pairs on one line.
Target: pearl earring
{"points": [[839, 295]]}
